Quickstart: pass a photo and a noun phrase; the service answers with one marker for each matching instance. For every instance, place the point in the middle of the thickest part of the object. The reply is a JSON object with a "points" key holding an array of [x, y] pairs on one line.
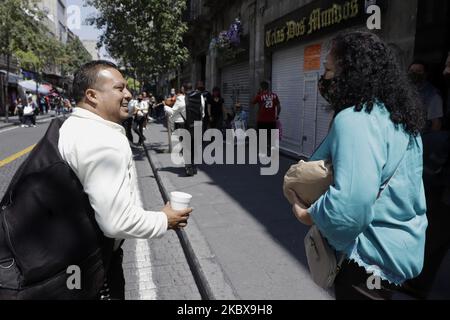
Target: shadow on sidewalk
{"points": [[259, 196]]}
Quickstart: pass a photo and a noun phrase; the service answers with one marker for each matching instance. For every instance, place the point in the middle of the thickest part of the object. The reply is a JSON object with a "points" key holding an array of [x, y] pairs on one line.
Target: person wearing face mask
{"points": [[374, 213], [431, 99], [437, 186]]}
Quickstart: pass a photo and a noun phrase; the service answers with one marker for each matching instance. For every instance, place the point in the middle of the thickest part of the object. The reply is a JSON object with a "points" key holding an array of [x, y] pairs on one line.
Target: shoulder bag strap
{"points": [[383, 187], [342, 257]]}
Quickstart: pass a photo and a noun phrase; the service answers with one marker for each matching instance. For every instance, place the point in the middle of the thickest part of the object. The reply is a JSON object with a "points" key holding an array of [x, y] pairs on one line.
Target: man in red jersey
{"points": [[269, 110]]}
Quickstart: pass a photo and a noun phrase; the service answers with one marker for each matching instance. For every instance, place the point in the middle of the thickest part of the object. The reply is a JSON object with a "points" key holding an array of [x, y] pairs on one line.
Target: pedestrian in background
{"points": [[437, 190], [374, 212], [431, 98], [269, 109], [29, 113], [141, 110], [177, 113], [93, 143], [19, 111], [195, 112], [215, 109], [128, 123]]}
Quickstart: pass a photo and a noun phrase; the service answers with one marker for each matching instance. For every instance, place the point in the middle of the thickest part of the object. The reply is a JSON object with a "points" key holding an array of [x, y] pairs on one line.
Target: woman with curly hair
{"points": [[374, 212]]}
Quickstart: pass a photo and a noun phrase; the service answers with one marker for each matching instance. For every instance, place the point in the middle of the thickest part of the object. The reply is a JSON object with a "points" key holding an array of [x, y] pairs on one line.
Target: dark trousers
{"points": [[138, 127], [267, 126], [114, 287], [28, 120], [216, 123], [351, 284], [436, 245], [193, 147], [128, 124], [191, 168]]}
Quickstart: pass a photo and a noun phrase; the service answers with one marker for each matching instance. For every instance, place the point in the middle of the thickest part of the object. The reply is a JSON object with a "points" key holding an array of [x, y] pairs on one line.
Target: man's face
{"points": [[417, 74], [112, 96]]}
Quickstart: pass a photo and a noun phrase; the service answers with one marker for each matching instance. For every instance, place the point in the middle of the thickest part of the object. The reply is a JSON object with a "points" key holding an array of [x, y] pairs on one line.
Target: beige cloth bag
{"points": [[309, 180]]}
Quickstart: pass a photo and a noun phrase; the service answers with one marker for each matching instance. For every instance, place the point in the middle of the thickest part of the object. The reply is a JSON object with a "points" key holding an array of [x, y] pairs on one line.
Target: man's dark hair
{"points": [[187, 87], [86, 77], [265, 85], [200, 85]]}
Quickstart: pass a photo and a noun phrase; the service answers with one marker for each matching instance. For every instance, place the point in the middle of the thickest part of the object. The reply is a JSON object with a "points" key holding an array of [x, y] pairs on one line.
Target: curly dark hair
{"points": [[367, 72]]}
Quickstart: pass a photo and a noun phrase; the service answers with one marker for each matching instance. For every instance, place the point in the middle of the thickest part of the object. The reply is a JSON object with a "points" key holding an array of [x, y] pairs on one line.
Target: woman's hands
{"points": [[300, 210]]}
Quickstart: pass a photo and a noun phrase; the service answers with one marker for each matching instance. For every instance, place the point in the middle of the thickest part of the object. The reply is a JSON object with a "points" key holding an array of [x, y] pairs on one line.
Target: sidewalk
{"points": [[14, 121], [247, 243], [155, 269]]}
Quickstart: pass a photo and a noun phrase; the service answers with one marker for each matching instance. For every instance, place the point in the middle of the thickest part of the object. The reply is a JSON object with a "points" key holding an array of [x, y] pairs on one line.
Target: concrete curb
{"points": [[211, 280]]}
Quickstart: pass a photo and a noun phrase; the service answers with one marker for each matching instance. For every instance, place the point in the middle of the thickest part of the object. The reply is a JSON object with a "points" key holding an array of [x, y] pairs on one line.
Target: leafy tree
{"points": [[28, 60], [144, 36], [75, 56], [20, 30], [133, 84]]}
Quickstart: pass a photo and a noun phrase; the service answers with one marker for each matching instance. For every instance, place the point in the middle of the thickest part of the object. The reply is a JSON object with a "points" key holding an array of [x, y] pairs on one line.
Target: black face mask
{"points": [[327, 88], [416, 78]]}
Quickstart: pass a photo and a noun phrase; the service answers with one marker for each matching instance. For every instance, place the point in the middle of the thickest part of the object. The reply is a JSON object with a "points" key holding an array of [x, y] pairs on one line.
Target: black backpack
{"points": [[194, 110], [47, 225]]}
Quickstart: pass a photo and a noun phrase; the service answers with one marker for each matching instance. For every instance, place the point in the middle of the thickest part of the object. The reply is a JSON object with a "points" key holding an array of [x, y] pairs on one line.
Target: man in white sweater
{"points": [[95, 146]]}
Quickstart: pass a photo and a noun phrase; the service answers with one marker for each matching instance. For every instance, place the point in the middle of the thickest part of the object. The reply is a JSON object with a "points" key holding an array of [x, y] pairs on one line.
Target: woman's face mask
{"points": [[327, 83], [327, 88]]}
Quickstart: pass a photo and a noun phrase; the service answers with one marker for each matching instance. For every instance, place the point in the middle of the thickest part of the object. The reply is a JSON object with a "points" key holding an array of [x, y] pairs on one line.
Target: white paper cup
{"points": [[179, 200]]}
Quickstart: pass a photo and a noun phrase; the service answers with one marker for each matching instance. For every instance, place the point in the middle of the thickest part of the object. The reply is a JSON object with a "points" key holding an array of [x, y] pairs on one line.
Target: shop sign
{"points": [[314, 19]]}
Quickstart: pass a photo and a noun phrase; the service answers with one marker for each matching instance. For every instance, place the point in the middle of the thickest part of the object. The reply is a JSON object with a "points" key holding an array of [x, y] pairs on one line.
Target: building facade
{"points": [[286, 42], [91, 47], [56, 22]]}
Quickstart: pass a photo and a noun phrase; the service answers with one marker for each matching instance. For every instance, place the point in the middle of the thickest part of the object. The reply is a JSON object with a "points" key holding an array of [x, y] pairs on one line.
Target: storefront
{"points": [[13, 91], [235, 84], [297, 45]]}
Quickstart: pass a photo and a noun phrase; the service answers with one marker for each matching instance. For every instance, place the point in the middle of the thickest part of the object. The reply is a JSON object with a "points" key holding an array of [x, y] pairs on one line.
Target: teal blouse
{"points": [[386, 236]]}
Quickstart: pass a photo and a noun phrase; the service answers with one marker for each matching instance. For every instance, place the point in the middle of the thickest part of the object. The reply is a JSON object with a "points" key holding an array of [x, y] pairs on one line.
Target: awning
{"points": [[47, 86], [13, 78], [30, 85]]}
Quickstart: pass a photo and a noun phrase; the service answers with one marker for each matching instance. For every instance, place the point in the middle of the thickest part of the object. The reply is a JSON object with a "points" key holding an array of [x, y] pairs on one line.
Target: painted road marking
{"points": [[8, 129], [146, 285], [16, 156]]}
